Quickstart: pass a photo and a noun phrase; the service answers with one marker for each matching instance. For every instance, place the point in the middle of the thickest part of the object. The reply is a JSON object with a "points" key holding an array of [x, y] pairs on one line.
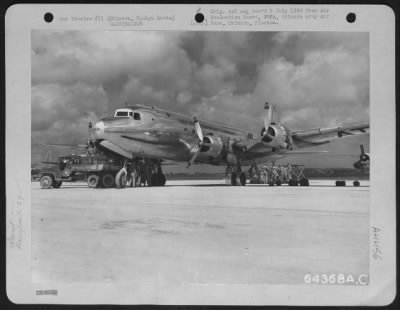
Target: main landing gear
{"points": [[140, 172], [234, 175]]}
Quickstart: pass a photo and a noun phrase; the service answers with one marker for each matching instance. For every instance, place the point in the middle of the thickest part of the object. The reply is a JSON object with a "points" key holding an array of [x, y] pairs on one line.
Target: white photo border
{"points": [[377, 20]]}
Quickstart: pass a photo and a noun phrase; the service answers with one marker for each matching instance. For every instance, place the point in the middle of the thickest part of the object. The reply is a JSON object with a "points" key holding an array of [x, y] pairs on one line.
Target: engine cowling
{"points": [[364, 157], [212, 147], [363, 163], [276, 136]]}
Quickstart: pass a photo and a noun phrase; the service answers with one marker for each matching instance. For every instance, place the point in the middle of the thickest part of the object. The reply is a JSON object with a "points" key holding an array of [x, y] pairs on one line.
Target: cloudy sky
{"points": [[315, 78]]}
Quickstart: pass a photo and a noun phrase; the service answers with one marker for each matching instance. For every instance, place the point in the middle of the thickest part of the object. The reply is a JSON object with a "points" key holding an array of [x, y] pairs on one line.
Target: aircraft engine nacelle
{"points": [[213, 147], [363, 163], [276, 136], [364, 157]]}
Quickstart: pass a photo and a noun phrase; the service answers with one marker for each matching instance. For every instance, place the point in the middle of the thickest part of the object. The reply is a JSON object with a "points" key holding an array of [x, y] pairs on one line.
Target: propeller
{"points": [[267, 123], [199, 133]]}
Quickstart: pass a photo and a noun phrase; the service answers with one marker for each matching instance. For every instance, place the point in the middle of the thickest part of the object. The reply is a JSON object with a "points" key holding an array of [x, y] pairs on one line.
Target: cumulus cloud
{"points": [[316, 79]]}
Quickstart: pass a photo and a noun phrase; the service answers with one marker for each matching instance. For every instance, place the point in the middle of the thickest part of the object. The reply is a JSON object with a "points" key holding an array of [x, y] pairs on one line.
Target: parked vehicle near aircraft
{"points": [[95, 168]]}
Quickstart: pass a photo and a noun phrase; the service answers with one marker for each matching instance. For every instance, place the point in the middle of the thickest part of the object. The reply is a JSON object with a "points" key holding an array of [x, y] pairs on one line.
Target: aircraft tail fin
{"points": [[272, 114]]}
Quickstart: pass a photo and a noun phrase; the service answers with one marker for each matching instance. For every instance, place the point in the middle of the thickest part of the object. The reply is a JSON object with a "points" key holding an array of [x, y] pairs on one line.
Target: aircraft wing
{"points": [[301, 139], [318, 136], [261, 148]]}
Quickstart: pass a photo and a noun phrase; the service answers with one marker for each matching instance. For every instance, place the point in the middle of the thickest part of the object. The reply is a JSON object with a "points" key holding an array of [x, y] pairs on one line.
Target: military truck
{"points": [[96, 168]]}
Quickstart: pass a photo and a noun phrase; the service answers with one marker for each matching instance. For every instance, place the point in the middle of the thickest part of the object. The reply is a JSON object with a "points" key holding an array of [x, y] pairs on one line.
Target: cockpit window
{"points": [[122, 113], [136, 116]]}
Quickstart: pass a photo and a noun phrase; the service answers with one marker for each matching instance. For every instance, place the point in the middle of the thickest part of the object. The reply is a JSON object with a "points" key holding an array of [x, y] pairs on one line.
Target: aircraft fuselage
{"points": [[154, 133]]}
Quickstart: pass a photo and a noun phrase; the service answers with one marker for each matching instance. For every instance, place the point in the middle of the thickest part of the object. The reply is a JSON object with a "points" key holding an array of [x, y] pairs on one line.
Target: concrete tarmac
{"points": [[197, 232]]}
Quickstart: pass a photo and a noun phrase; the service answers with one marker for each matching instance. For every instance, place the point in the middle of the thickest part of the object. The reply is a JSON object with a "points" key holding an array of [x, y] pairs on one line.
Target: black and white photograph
{"points": [[196, 128], [200, 158]]}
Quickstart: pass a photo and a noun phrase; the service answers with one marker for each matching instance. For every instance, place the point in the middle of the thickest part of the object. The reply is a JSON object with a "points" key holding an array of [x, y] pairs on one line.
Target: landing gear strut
{"points": [[234, 175], [150, 172]]}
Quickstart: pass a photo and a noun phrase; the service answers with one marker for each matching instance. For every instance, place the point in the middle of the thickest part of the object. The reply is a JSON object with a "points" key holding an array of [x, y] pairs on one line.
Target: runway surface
{"points": [[199, 232]]}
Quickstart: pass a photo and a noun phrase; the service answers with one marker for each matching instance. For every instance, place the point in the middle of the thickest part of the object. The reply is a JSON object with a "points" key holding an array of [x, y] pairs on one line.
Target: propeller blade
{"points": [[362, 149], [197, 127], [267, 117], [191, 161]]}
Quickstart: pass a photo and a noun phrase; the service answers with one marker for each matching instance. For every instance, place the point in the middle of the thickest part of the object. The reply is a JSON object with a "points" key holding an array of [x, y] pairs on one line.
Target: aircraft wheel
{"points": [[107, 180], [57, 184], [120, 178], [278, 183], [233, 179], [356, 183], [242, 179], [46, 182], [93, 181]]}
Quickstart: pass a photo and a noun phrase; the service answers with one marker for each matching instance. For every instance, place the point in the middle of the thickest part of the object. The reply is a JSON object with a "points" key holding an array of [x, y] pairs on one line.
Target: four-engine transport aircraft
{"points": [[154, 135]]}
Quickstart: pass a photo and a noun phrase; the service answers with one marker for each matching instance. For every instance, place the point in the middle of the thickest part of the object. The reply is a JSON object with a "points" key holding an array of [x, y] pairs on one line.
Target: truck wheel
{"points": [[107, 180], [46, 182], [93, 181], [120, 178], [57, 184]]}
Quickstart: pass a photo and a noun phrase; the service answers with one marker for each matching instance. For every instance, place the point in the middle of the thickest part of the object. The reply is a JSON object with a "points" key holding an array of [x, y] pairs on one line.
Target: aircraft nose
{"points": [[98, 130]]}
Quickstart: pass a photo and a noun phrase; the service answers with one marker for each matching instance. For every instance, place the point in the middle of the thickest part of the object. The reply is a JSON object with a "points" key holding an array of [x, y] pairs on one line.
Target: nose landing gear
{"points": [[121, 178]]}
